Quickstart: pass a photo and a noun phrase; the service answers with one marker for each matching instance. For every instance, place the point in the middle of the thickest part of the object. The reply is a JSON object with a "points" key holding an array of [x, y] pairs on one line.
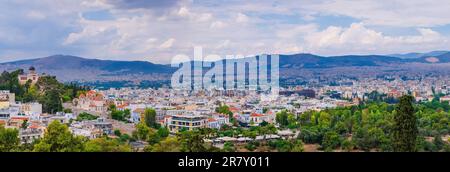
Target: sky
{"points": [[156, 31]]}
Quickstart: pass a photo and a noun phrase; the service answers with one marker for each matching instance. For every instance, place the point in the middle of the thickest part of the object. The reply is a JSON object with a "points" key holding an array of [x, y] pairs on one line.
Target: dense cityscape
{"points": [[245, 85], [347, 115]]}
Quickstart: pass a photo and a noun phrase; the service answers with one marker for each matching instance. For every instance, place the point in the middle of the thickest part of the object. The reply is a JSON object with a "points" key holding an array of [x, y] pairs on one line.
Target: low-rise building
{"points": [[254, 119], [30, 76], [189, 122], [444, 98], [103, 125], [217, 121], [31, 109], [92, 101], [31, 134]]}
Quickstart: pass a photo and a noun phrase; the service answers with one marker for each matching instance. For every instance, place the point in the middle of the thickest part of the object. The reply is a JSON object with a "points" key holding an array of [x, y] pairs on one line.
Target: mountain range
{"points": [[418, 55], [61, 62], [72, 68]]}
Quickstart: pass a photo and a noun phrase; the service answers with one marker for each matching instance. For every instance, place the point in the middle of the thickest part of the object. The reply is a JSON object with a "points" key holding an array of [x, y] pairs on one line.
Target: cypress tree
{"points": [[405, 126]]}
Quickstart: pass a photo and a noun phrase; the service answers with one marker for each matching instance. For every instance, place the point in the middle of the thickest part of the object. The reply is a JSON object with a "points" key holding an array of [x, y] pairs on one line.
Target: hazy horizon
{"points": [[168, 63], [156, 31]]}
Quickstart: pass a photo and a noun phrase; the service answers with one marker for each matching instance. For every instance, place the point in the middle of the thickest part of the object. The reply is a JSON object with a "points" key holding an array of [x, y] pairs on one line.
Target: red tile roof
{"points": [[256, 115], [20, 117], [211, 120]]}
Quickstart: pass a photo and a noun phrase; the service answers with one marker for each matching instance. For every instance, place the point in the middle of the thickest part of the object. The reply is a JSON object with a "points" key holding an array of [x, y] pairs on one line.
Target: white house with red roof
{"points": [[217, 121], [445, 98], [91, 101], [254, 119]]}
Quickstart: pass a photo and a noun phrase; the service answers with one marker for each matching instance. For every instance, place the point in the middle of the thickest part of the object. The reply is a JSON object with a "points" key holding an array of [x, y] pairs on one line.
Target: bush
{"points": [[86, 116], [331, 140], [250, 146]]}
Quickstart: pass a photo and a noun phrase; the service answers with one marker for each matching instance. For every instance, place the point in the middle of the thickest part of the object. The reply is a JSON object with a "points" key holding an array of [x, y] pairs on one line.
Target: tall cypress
{"points": [[405, 126]]}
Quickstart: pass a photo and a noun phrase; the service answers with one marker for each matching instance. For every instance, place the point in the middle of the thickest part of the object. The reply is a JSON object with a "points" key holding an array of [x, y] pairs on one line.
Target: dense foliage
{"points": [[372, 126], [9, 139], [86, 117], [150, 118], [58, 138], [47, 91], [120, 115]]}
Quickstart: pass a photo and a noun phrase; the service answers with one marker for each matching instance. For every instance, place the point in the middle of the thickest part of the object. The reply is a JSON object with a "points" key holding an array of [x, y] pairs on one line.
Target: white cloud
{"points": [[242, 18], [199, 17], [167, 44], [90, 31], [399, 13], [358, 38], [184, 12], [234, 27], [96, 4]]}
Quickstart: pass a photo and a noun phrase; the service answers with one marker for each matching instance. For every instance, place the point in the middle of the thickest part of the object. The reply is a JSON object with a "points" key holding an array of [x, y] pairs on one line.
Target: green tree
{"points": [[120, 115], [298, 146], [142, 132], [24, 124], [281, 145], [362, 139], [438, 142], [264, 123], [58, 138], [310, 135], [51, 94], [10, 81], [229, 147], [86, 116], [153, 136], [347, 145], [224, 110], [405, 126], [31, 93], [331, 141], [9, 139], [105, 144], [150, 118], [282, 118], [251, 146], [125, 137], [117, 133], [51, 101], [163, 132], [169, 144], [192, 141]]}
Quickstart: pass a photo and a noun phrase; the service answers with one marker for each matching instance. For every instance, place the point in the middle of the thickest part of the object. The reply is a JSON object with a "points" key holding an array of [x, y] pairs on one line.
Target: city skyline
{"points": [[232, 84], [156, 31]]}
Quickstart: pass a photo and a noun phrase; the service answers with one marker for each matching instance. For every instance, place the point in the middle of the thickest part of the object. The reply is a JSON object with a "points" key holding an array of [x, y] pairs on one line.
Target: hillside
{"points": [[68, 68], [72, 68]]}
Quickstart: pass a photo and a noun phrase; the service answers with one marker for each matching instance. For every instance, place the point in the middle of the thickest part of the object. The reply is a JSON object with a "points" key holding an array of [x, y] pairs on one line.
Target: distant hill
{"points": [[76, 68], [418, 55], [443, 58], [72, 68], [73, 62], [313, 61]]}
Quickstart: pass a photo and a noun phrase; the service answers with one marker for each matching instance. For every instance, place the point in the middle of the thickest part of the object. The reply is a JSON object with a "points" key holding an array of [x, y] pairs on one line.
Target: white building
{"points": [[31, 109], [91, 101], [189, 122], [30, 134]]}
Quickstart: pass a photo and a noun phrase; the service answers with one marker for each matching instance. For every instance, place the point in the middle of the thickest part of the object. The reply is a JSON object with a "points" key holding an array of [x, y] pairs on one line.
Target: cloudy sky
{"points": [[156, 30]]}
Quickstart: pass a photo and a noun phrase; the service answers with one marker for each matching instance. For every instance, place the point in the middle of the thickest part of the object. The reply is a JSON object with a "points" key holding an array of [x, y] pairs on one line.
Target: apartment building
{"points": [[176, 123]]}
